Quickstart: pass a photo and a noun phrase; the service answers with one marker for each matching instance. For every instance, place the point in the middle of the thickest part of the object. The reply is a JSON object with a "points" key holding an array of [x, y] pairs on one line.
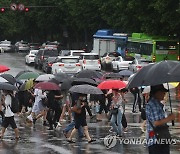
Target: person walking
{"points": [[155, 117], [137, 99], [80, 119], [8, 115], [117, 111]]}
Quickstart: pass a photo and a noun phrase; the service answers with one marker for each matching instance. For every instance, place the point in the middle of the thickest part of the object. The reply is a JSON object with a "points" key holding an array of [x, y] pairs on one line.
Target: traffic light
{"points": [[2, 9], [26, 9]]}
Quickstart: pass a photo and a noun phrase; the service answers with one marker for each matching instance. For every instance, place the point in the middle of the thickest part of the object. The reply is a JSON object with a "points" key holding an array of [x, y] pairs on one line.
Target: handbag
{"points": [[161, 132], [114, 111]]}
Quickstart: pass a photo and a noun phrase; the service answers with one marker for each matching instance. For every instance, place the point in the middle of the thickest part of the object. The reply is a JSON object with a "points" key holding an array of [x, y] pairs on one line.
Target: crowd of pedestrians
{"points": [[54, 105]]}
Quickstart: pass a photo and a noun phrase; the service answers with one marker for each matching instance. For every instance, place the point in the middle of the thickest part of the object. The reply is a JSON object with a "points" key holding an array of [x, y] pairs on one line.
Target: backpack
{"points": [[14, 104]]}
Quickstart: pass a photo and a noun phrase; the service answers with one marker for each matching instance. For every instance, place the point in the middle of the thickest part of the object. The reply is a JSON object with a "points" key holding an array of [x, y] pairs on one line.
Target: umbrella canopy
{"points": [[88, 81], [60, 77], [28, 75], [3, 79], [89, 74], [9, 78], [22, 72], [86, 89], [126, 73], [175, 71], [7, 86], [45, 77], [67, 84], [170, 85], [154, 74], [27, 85], [47, 86], [112, 84], [4, 68], [112, 75]]}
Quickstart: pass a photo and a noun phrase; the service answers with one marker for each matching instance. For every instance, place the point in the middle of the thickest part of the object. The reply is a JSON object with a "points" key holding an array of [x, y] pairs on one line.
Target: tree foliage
{"points": [[77, 20]]}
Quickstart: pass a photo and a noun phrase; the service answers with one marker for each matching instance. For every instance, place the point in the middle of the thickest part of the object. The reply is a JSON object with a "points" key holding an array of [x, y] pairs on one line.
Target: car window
{"points": [[34, 52], [69, 60], [51, 52], [5, 42], [77, 53], [91, 57]]}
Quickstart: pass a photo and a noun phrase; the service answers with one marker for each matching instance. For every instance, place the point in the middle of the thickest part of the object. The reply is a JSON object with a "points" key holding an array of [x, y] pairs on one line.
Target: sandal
{"points": [[71, 141], [92, 140]]}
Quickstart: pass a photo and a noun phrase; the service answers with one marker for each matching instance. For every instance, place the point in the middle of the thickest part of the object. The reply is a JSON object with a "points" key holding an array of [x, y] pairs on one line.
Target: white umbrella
{"points": [[45, 77], [3, 79]]}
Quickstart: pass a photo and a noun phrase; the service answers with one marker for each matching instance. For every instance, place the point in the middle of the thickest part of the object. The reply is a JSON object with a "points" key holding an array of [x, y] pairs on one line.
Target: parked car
{"points": [[34, 46], [47, 64], [137, 64], [29, 58], [121, 63], [6, 46], [90, 61], [66, 64], [22, 46], [106, 60], [42, 55]]}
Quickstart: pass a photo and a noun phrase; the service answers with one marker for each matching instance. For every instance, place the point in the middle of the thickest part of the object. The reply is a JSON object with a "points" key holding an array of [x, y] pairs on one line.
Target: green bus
{"points": [[152, 47]]}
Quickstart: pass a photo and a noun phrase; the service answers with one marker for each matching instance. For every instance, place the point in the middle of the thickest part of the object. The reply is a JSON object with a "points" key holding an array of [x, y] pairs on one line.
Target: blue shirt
{"points": [[154, 112]]}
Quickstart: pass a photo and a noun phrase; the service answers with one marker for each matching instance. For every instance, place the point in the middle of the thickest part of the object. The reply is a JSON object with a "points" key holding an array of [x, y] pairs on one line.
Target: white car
{"points": [[137, 64], [121, 64], [90, 61], [66, 64], [30, 57], [76, 52]]}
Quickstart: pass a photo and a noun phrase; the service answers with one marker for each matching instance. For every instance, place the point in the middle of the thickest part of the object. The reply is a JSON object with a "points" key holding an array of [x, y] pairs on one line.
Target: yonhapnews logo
{"points": [[110, 141]]}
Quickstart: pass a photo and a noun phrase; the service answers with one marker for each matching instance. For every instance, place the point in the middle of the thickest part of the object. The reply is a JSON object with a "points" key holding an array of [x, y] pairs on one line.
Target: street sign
{"points": [[13, 7], [21, 7]]}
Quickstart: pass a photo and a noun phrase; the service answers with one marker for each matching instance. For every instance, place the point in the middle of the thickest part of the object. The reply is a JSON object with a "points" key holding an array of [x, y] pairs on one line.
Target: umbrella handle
{"points": [[170, 103]]}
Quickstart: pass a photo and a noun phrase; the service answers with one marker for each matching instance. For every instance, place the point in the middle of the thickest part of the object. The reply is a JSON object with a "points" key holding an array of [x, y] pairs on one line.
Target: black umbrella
{"points": [[60, 77], [67, 84], [89, 74], [88, 81], [9, 78], [86, 89], [126, 73], [7, 86], [154, 74], [175, 71], [22, 72], [112, 75]]}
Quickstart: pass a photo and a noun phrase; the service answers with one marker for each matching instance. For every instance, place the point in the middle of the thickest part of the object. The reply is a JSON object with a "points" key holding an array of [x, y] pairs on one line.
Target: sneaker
{"points": [[62, 120], [59, 124], [111, 130]]}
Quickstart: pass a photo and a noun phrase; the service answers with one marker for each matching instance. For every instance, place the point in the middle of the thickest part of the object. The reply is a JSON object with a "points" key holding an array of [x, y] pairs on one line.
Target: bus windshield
{"points": [[162, 45]]}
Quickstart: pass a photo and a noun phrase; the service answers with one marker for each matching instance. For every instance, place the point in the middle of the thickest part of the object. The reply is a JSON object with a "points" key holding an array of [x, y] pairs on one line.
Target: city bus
{"points": [[152, 47]]}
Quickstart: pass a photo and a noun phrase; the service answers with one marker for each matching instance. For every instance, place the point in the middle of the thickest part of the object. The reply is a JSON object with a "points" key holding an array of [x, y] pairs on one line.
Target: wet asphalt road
{"points": [[40, 140]]}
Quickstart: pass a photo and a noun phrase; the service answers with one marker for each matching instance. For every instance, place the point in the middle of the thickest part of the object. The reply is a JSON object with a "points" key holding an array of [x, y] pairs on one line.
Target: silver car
{"points": [[6, 46], [22, 46], [137, 64]]}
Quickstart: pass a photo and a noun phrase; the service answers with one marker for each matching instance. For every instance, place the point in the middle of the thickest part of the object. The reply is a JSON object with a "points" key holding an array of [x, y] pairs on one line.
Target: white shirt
{"points": [[38, 95], [7, 101]]}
